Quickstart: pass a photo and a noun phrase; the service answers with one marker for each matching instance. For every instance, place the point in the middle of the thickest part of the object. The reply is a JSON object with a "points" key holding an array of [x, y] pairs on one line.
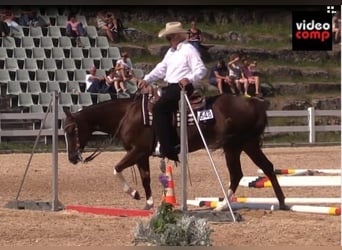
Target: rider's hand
{"points": [[184, 82], [142, 84]]}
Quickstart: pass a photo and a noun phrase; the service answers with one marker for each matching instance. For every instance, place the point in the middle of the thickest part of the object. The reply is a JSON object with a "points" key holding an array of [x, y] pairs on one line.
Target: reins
{"points": [[100, 148]]}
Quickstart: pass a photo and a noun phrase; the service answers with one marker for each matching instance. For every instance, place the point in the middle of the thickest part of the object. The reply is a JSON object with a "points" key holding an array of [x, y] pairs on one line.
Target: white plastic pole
{"points": [[295, 208], [54, 203], [303, 171], [271, 200], [312, 132], [211, 159], [316, 209], [294, 181], [184, 151]]}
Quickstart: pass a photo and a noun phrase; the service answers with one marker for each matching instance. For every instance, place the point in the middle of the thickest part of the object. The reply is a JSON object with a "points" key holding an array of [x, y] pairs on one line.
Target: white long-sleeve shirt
{"points": [[179, 63]]}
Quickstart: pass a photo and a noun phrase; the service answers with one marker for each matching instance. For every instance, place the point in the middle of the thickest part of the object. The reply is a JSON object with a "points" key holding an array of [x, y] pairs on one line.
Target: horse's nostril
{"points": [[73, 158], [73, 161]]}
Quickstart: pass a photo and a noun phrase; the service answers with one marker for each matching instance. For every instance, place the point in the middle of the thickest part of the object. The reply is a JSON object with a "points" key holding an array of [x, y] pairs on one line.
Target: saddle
{"points": [[152, 95]]}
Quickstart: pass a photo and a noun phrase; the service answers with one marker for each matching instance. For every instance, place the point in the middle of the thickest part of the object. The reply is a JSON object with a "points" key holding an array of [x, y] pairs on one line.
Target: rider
{"points": [[181, 67]]}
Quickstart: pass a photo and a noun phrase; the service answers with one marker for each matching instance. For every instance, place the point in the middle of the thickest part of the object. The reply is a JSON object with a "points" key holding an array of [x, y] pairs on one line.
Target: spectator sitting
{"points": [[118, 28], [236, 75], [8, 17], [218, 76], [4, 28], [104, 28], [30, 17], [94, 83], [109, 25], [194, 36], [248, 72], [74, 28], [124, 68], [336, 27], [112, 22], [114, 82]]}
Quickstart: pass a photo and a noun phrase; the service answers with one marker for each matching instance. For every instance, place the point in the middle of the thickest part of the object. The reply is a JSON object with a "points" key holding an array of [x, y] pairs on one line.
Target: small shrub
{"points": [[169, 227]]}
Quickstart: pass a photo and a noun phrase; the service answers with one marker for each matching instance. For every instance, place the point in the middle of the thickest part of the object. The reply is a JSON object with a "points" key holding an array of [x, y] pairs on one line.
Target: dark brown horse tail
{"points": [[261, 107]]}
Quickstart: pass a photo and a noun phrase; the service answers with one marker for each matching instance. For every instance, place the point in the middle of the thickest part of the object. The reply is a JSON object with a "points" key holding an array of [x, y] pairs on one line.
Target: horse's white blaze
{"points": [[66, 142], [126, 187]]}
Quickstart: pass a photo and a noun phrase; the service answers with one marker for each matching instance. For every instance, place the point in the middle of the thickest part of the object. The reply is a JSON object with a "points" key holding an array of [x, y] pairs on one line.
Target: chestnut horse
{"points": [[238, 125]]}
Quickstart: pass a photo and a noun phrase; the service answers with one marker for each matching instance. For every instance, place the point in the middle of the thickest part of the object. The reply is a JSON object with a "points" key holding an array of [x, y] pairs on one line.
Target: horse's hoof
{"points": [[148, 206], [222, 207], [136, 195], [284, 207]]}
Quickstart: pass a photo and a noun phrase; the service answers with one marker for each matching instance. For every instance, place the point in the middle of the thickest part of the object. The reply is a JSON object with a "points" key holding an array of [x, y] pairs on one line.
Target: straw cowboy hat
{"points": [[171, 28]]}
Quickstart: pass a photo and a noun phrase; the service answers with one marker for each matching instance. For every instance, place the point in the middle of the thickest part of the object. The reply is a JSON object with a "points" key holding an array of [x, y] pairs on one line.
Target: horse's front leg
{"points": [[128, 160], [232, 156], [144, 170]]}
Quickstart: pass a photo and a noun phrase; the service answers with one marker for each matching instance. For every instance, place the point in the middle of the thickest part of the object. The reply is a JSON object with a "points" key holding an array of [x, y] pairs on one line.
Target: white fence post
{"points": [[311, 121]]}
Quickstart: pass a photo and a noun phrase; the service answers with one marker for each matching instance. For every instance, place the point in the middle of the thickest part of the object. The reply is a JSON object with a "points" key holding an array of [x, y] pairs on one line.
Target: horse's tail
{"points": [[261, 119], [261, 107]]}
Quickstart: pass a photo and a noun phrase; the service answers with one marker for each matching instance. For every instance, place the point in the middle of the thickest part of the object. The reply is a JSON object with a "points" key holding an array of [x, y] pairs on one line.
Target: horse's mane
{"points": [[100, 105]]}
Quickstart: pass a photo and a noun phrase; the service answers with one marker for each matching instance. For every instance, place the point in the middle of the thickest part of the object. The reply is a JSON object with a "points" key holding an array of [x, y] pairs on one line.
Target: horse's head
{"points": [[72, 138]]}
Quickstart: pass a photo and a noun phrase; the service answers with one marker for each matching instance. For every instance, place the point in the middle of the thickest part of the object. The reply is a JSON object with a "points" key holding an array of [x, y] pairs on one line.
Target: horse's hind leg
{"points": [[232, 156], [254, 151]]}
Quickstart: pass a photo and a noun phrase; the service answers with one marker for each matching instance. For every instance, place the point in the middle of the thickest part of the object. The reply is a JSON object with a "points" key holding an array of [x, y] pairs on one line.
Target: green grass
{"points": [[274, 79], [251, 29], [252, 33], [322, 64], [147, 27]]}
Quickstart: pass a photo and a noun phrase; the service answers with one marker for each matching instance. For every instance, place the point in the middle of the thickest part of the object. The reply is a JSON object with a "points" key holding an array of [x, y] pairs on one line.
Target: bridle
{"points": [[78, 147], [97, 151]]}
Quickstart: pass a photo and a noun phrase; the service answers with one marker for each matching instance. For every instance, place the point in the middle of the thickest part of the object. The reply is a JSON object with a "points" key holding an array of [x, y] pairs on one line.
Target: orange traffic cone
{"points": [[169, 194]]}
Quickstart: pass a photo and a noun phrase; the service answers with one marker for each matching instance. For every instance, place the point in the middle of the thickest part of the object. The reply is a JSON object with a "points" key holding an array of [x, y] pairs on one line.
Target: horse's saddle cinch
{"points": [[197, 102]]}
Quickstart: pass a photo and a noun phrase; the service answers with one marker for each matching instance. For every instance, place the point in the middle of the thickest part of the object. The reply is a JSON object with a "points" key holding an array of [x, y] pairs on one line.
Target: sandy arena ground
{"points": [[94, 185]]}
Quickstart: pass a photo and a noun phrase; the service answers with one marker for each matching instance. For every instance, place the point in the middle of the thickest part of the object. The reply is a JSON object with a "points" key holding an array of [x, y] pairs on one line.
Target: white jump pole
{"points": [[271, 200], [293, 181], [266, 206], [316, 209], [55, 203], [303, 171]]}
